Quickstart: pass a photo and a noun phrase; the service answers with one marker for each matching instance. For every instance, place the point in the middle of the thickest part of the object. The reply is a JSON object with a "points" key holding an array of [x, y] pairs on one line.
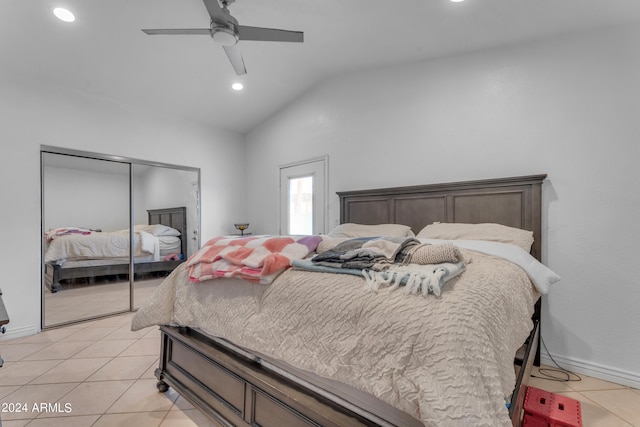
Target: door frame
{"points": [[324, 160]]}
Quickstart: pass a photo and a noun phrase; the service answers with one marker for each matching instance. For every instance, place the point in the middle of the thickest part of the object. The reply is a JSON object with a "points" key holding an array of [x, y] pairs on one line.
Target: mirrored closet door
{"points": [[166, 199], [113, 229]]}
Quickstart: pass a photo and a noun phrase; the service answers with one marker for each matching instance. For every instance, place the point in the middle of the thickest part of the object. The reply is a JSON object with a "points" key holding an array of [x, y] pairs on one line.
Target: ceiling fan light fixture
{"points": [[225, 30], [224, 36]]}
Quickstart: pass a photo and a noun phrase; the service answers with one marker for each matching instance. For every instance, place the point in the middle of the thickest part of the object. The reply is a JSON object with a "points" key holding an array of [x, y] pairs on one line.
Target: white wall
{"points": [[81, 198], [34, 113], [566, 107], [166, 188]]}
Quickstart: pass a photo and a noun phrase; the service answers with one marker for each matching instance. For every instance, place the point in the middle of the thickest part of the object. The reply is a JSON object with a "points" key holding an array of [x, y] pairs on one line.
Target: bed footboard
{"points": [[54, 273], [237, 391], [233, 389]]}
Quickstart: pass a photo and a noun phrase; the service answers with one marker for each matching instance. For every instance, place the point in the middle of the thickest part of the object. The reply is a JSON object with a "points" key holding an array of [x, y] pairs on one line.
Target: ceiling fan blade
{"points": [[215, 11], [269, 34], [234, 55], [179, 31]]}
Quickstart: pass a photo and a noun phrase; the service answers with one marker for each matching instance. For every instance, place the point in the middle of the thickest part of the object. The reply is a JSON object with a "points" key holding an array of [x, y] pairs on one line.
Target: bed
{"points": [[156, 252], [254, 368]]}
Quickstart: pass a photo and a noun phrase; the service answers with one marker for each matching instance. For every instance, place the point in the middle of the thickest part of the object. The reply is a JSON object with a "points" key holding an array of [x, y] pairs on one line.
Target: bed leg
{"points": [[52, 277], [160, 385], [537, 317]]}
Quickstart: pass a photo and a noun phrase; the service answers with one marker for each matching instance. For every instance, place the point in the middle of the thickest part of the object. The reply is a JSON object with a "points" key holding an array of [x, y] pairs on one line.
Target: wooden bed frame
{"points": [[172, 217], [236, 388]]}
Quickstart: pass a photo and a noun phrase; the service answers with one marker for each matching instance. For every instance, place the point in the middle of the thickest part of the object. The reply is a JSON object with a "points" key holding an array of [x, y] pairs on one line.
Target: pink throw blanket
{"points": [[63, 231], [256, 258]]}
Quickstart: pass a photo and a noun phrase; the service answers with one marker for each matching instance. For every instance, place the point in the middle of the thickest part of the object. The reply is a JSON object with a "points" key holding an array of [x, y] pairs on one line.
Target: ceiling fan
{"points": [[224, 29]]}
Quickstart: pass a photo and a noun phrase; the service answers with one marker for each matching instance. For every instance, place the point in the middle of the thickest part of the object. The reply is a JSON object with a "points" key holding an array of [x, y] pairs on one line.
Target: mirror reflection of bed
{"points": [[88, 204], [160, 246]]}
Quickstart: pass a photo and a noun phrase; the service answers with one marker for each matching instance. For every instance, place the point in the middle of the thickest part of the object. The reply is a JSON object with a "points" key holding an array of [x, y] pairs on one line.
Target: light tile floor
{"points": [[100, 374], [602, 403], [96, 374]]}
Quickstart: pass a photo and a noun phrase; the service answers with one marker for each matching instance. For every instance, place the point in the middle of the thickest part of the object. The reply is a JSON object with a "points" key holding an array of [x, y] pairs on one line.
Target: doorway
{"points": [[303, 197]]}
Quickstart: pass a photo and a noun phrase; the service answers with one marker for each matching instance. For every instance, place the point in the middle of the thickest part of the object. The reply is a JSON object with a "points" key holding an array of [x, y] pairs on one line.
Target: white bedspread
{"points": [[101, 245], [447, 361]]}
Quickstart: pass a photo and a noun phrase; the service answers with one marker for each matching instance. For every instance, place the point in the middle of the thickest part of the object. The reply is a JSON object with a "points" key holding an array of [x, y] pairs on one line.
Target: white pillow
{"points": [[351, 230], [487, 231], [541, 275], [157, 230]]}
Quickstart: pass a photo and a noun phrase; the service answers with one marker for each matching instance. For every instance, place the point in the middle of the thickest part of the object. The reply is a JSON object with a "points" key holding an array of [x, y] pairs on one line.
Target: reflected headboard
{"points": [[516, 202], [174, 218]]}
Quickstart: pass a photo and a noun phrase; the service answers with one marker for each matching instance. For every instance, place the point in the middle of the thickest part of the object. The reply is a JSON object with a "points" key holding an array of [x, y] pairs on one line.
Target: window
{"points": [[301, 205], [302, 198]]}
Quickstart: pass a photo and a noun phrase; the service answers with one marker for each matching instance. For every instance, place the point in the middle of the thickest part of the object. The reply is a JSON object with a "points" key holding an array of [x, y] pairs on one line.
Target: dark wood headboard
{"points": [[175, 218], [516, 202]]}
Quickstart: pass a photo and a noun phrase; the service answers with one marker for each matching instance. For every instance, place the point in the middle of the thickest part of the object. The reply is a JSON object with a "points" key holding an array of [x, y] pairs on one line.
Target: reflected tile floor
{"points": [[102, 298], [100, 374]]}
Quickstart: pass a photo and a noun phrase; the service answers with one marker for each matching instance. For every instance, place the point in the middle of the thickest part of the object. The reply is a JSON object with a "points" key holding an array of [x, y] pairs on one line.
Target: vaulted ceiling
{"points": [[105, 54]]}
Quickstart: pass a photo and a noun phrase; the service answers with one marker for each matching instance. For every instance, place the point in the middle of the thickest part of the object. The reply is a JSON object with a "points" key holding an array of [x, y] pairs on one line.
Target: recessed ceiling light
{"points": [[64, 14], [457, 1], [237, 86]]}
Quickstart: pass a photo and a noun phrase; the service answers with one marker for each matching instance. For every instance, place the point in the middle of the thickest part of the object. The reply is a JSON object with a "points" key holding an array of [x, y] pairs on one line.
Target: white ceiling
{"points": [[105, 54]]}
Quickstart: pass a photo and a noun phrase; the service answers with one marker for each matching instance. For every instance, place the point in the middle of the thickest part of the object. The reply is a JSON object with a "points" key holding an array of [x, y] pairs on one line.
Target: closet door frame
{"points": [[131, 162]]}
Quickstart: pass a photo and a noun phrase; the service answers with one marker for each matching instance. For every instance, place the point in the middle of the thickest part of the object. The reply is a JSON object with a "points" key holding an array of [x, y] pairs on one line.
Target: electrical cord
{"points": [[545, 372]]}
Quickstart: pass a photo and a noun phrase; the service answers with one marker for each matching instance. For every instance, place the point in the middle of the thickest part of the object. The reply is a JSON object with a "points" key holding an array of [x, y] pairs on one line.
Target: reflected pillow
{"points": [[487, 231], [351, 230], [158, 230]]}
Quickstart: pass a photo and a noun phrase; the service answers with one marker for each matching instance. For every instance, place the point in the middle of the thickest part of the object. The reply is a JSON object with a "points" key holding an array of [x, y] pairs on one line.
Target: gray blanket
{"points": [[371, 253]]}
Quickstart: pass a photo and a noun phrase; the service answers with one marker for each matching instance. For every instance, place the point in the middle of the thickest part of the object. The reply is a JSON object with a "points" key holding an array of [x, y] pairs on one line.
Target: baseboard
{"points": [[595, 370], [19, 332]]}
